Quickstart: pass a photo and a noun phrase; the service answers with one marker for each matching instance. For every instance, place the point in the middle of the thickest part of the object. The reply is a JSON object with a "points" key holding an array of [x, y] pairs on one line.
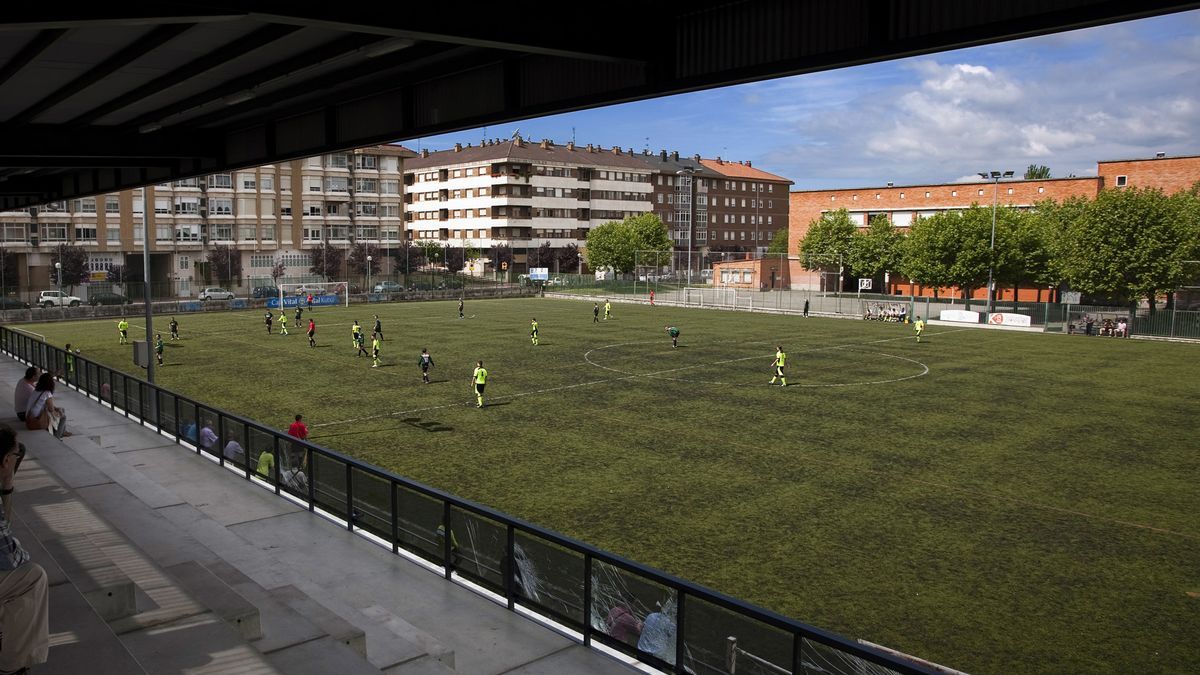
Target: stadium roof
{"points": [[96, 97]]}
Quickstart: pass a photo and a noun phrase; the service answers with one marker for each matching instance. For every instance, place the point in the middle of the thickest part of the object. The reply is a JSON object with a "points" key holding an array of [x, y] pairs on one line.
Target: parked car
{"points": [[108, 299], [265, 292], [57, 299], [389, 287], [214, 293], [13, 303]]}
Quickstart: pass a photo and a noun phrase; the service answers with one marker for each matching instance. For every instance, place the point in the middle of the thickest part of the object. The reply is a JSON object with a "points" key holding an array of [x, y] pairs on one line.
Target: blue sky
{"points": [[1065, 100]]}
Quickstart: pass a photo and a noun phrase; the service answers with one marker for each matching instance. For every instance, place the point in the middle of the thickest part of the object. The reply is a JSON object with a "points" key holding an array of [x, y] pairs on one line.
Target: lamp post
{"points": [[58, 277], [368, 274], [995, 177]]}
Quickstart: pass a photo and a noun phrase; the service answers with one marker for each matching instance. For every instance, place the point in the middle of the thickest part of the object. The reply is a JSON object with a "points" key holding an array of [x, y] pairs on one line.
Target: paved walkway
{"points": [[177, 506]]}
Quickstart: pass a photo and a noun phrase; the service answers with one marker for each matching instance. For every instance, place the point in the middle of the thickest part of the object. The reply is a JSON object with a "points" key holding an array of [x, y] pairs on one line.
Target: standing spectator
{"points": [[158, 347], [298, 429], [460, 308], [208, 438], [806, 308], [651, 297], [24, 590], [596, 313], [24, 391], [1088, 322]]}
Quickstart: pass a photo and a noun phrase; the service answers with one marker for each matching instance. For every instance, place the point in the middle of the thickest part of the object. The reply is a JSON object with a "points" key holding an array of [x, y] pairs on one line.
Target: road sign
{"points": [[864, 284], [539, 273]]}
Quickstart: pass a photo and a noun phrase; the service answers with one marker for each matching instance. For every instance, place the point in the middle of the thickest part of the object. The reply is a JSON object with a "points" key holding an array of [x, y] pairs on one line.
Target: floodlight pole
{"points": [[689, 172], [368, 289], [991, 286], [146, 288]]}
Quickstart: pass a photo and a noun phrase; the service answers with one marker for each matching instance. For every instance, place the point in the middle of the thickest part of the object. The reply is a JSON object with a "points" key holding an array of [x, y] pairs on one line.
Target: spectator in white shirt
{"points": [[24, 391]]}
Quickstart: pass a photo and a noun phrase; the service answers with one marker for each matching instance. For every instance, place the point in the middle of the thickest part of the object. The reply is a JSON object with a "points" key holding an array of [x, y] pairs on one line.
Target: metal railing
{"points": [[672, 624]]}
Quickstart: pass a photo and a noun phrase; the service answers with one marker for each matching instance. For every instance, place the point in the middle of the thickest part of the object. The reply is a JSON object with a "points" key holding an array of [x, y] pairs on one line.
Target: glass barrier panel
{"points": [[481, 544], [820, 659], [293, 468], [622, 604], [419, 527], [329, 484], [132, 396], [232, 432], [189, 427], [262, 454], [149, 404], [550, 578], [117, 388], [92, 379], [166, 417], [720, 640], [105, 376], [372, 504]]}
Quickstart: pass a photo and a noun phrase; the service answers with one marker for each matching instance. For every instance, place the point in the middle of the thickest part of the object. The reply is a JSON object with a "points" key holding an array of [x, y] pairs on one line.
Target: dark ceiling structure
{"points": [[97, 98]]}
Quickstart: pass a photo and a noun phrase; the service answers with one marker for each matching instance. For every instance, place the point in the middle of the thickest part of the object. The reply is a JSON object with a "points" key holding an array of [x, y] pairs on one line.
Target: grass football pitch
{"points": [[989, 500]]}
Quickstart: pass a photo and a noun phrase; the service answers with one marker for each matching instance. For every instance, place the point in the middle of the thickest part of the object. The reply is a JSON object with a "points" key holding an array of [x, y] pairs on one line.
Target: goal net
{"points": [[323, 293]]}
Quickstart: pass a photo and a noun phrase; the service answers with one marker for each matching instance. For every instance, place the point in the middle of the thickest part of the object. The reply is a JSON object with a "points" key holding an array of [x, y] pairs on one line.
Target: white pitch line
{"points": [[604, 381]]}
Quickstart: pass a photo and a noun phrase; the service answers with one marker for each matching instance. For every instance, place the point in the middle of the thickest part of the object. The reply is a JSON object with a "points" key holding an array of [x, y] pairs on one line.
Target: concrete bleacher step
{"points": [[81, 642], [404, 633], [425, 665], [107, 589], [281, 626], [215, 594], [320, 657], [197, 645], [338, 629]]}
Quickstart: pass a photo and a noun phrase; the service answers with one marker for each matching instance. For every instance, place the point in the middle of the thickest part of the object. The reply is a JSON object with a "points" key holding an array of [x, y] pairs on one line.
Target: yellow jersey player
{"points": [[123, 329], [283, 322], [375, 349], [355, 333], [479, 380], [919, 326], [607, 310], [780, 360], [533, 331]]}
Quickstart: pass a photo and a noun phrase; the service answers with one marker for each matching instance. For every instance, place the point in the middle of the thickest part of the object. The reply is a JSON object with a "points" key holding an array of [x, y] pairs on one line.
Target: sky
{"points": [[1066, 100]]}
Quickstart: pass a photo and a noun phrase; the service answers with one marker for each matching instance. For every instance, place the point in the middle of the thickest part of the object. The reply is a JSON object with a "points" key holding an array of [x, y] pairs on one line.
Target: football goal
{"points": [[323, 293]]}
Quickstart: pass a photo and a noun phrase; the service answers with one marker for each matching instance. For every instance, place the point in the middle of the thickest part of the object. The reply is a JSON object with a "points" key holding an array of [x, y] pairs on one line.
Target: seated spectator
{"points": [[24, 591], [1122, 328], [24, 391], [658, 634], [295, 479], [208, 437], [234, 452], [188, 431], [266, 464], [623, 625], [1107, 328], [41, 404]]}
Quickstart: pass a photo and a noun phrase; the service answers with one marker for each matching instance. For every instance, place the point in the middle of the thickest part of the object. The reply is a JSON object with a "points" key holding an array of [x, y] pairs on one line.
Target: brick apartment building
{"points": [[905, 203]]}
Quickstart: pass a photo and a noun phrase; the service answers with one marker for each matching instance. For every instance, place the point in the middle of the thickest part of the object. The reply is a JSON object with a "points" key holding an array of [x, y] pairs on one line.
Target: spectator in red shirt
{"points": [[298, 429]]}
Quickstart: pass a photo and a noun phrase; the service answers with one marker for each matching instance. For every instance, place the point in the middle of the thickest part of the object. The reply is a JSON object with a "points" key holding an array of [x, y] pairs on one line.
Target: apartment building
{"points": [[267, 213], [521, 195]]}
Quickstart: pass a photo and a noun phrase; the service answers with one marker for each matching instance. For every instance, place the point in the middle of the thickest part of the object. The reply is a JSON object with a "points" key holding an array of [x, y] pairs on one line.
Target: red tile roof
{"points": [[736, 170]]}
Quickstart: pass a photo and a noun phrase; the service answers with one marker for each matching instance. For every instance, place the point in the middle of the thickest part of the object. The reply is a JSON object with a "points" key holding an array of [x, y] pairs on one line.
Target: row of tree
{"points": [[1126, 244]]}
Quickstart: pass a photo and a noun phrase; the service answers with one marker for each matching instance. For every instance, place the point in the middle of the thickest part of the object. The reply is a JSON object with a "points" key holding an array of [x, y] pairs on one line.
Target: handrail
{"points": [[98, 380]]}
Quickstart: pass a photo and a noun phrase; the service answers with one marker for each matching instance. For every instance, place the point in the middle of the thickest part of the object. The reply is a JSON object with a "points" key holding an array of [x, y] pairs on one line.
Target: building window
{"points": [[221, 180], [312, 209], [113, 235], [337, 184], [112, 204], [927, 195], [162, 205], [86, 233], [1041, 190], [366, 185], [185, 232], [954, 193], [268, 183], [188, 183], [1122, 181], [389, 187], [366, 161], [221, 207], [187, 206], [312, 184], [87, 205], [247, 181], [1010, 191], [901, 195], [337, 161], [184, 262]]}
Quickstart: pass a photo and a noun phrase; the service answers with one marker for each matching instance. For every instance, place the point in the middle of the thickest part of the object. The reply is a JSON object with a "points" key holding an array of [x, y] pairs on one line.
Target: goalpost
{"points": [[325, 294]]}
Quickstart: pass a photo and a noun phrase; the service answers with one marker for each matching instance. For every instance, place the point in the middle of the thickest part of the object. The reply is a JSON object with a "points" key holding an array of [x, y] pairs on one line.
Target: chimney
{"points": [[719, 160], [662, 154], [675, 156], [748, 163], [695, 158], [616, 150], [424, 152], [631, 152], [1159, 155], [571, 146], [458, 147], [545, 144], [589, 147]]}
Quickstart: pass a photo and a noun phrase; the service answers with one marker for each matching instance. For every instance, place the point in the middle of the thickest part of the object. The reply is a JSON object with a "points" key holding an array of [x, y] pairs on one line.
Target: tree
{"points": [[568, 258], [541, 256], [779, 243], [827, 243], [876, 249], [1025, 245], [1037, 172], [278, 270], [501, 254], [433, 251], [1128, 243], [614, 244], [225, 263], [326, 261], [74, 266], [409, 257], [929, 249], [9, 274], [356, 262], [456, 258]]}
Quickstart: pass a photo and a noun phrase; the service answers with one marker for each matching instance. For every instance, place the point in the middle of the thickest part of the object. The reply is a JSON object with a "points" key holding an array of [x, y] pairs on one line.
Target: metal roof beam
{"points": [[40, 43], [47, 140]]}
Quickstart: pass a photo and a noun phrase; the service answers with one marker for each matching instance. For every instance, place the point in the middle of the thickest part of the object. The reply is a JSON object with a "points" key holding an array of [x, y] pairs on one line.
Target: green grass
{"points": [[1028, 505]]}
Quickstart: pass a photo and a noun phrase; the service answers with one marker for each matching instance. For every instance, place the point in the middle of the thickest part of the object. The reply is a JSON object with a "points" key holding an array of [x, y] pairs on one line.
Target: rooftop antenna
{"points": [[647, 145], [572, 135]]}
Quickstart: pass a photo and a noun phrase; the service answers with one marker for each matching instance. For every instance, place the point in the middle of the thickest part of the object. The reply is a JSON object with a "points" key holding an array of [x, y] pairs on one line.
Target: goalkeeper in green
{"points": [[674, 333], [777, 364]]}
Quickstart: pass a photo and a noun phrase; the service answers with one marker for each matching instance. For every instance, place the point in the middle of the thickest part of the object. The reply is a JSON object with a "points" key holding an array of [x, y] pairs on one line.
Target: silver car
{"points": [[215, 293]]}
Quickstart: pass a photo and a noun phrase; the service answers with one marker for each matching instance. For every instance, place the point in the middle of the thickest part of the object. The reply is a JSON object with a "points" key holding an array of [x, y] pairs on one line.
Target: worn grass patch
{"points": [[994, 501]]}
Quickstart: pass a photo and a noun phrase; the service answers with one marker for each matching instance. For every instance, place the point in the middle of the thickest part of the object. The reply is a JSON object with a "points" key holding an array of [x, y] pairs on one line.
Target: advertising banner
{"points": [[958, 315], [297, 300], [999, 319]]}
